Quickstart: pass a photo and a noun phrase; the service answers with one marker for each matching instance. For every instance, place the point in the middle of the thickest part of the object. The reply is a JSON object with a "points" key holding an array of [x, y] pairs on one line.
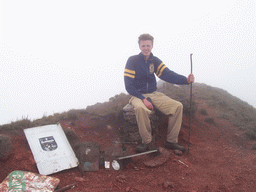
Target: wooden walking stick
{"points": [[190, 106]]}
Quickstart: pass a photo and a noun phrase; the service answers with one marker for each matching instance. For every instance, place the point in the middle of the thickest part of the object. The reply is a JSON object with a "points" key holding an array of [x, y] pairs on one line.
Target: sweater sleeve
{"points": [[169, 76], [129, 78]]}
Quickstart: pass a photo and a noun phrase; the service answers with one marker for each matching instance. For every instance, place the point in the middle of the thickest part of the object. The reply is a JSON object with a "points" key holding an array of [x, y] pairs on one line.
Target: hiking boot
{"points": [[174, 146], [145, 147]]}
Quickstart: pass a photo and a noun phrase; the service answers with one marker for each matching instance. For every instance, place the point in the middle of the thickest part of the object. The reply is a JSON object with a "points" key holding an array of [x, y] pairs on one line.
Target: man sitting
{"points": [[140, 82]]}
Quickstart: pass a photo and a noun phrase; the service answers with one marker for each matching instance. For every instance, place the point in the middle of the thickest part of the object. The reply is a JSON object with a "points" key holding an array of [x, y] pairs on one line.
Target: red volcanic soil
{"points": [[220, 159]]}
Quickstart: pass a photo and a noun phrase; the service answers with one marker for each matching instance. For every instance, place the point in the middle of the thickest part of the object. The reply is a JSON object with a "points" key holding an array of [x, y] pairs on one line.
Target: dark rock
{"points": [[130, 130], [178, 152], [254, 146], [168, 184]]}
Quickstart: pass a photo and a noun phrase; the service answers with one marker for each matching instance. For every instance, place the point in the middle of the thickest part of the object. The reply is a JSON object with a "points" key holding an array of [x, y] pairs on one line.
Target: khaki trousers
{"points": [[163, 103]]}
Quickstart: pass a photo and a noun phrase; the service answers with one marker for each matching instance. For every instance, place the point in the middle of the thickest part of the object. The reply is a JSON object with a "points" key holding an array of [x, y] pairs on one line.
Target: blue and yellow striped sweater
{"points": [[139, 75]]}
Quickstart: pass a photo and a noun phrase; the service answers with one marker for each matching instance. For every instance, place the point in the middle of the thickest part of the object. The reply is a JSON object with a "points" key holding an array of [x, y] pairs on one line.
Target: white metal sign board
{"points": [[51, 149]]}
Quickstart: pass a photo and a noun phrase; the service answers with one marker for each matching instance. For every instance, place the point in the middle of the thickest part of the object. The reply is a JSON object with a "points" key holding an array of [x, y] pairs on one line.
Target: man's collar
{"points": [[142, 56]]}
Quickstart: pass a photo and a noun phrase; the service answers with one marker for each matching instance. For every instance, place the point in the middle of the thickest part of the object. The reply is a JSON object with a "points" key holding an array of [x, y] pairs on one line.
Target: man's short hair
{"points": [[145, 37]]}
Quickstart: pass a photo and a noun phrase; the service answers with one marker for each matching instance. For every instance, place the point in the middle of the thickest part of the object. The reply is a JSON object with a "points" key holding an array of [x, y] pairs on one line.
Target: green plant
{"points": [[21, 124], [222, 115], [186, 107], [72, 115], [226, 106], [203, 112], [209, 120], [251, 133]]}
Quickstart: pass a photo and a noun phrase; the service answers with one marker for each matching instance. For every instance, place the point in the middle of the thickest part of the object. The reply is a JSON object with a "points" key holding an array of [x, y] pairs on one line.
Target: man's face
{"points": [[146, 47]]}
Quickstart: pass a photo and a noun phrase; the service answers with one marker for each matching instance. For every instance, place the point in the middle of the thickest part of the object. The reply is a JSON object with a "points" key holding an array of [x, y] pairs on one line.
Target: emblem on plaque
{"points": [[48, 143]]}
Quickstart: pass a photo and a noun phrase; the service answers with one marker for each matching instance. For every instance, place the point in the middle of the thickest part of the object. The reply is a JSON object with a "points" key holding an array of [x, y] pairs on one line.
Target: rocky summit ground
{"points": [[220, 159]]}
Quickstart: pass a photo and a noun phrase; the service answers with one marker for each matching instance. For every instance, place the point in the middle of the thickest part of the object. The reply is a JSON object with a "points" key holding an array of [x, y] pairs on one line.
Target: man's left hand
{"points": [[191, 78], [148, 104]]}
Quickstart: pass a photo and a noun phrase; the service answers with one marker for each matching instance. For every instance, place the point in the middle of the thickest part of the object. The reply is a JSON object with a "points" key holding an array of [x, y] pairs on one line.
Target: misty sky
{"points": [[57, 55]]}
